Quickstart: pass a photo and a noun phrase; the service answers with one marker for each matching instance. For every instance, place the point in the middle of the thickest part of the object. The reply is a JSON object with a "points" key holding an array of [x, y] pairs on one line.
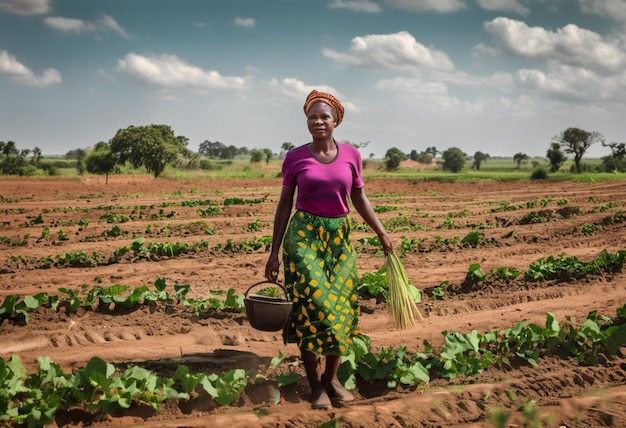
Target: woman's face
{"points": [[321, 120]]}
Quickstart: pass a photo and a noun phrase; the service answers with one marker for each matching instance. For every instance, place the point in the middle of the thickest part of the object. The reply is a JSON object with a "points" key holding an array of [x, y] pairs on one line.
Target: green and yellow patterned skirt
{"points": [[320, 276]]}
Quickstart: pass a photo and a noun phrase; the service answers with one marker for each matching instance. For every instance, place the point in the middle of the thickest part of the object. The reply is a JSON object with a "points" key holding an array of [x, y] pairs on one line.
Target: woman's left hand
{"points": [[386, 243]]}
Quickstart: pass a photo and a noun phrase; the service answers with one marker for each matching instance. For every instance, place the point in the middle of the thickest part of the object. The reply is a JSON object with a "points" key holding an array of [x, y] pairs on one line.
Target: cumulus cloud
{"points": [[428, 5], [612, 9], [71, 25], [19, 74], [399, 51], [245, 22], [573, 83], [26, 7], [513, 6], [570, 45], [356, 5], [298, 90], [295, 88], [168, 71]]}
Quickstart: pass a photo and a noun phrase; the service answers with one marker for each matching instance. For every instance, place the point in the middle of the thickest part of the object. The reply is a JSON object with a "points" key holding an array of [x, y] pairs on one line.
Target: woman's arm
{"points": [[281, 218], [364, 207]]}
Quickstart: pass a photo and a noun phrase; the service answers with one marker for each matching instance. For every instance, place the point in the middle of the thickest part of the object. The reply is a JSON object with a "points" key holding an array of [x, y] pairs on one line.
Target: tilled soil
{"points": [[521, 223]]}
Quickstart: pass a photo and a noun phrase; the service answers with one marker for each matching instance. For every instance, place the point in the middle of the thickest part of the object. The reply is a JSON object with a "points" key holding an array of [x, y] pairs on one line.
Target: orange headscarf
{"points": [[316, 96]]}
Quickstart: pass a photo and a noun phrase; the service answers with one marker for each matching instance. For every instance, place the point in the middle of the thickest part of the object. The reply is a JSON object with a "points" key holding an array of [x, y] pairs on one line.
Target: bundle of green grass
{"points": [[402, 296]]}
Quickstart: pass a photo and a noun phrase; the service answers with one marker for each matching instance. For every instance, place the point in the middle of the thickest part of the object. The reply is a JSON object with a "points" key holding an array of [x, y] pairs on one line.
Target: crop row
{"points": [[373, 284], [98, 388]]}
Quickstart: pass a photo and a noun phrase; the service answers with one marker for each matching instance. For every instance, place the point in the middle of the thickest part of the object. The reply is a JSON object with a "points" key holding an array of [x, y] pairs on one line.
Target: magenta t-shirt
{"points": [[323, 188]]}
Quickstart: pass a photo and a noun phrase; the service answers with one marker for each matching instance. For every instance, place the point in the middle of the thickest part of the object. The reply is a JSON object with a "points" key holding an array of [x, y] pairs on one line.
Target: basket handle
{"points": [[268, 282]]}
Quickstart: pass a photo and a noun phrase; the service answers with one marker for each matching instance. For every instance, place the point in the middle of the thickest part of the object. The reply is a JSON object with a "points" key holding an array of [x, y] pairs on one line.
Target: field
{"points": [[472, 248]]}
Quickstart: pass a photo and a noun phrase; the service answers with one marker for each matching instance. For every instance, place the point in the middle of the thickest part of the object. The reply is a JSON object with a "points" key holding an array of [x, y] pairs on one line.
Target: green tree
{"points": [[212, 150], [256, 155], [555, 156], [413, 155], [36, 159], [518, 158], [453, 159], [152, 147], [100, 160], [10, 149], [616, 161], [576, 141], [286, 146], [426, 158], [393, 157], [479, 157], [75, 154], [267, 154]]}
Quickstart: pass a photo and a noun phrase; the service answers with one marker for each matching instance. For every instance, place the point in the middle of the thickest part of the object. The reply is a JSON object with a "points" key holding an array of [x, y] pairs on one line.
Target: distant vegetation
{"points": [[155, 149]]}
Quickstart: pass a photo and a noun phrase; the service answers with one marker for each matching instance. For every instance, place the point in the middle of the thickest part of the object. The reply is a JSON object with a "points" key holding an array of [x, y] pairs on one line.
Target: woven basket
{"points": [[267, 313]]}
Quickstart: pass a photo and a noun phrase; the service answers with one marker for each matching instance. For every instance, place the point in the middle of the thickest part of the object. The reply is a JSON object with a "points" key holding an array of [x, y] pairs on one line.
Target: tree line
{"points": [[153, 147], [572, 141]]}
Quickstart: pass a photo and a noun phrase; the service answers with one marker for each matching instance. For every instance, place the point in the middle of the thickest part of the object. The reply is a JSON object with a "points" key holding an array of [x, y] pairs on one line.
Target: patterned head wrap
{"points": [[316, 96]]}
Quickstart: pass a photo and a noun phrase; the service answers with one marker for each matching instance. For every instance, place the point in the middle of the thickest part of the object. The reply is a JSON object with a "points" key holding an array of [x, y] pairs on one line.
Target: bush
{"points": [[207, 165], [539, 174]]}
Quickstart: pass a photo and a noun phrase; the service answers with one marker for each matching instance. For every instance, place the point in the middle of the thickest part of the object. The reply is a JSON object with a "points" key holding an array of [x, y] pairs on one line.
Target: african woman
{"points": [[319, 262]]}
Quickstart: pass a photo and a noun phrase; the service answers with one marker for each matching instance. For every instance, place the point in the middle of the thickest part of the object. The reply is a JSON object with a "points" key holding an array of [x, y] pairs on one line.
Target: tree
{"points": [[453, 159], [75, 154], [358, 145], [393, 157], [267, 153], [211, 150], [152, 147], [576, 141], [36, 159], [479, 157], [432, 150], [286, 146], [9, 149], [256, 155], [518, 158], [555, 156], [100, 160], [616, 161], [413, 155]]}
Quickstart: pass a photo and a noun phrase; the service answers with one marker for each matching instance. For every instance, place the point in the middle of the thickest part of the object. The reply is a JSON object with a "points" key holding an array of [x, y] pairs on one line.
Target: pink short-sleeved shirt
{"points": [[323, 188]]}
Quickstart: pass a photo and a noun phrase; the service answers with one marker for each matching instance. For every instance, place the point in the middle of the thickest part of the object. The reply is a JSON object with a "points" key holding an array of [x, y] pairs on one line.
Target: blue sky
{"points": [[499, 76]]}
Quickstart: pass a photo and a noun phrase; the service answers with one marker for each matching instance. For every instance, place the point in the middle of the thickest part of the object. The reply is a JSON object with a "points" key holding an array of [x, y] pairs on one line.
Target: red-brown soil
{"points": [[159, 338]]}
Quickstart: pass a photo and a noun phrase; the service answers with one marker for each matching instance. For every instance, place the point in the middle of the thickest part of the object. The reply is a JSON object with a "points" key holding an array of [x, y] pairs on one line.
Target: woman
{"points": [[319, 262]]}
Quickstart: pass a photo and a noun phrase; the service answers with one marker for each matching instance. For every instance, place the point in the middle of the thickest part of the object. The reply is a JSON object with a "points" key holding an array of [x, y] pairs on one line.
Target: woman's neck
{"points": [[324, 145]]}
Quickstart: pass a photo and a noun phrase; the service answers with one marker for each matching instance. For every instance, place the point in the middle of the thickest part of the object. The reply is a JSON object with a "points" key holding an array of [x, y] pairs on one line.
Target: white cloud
{"points": [[568, 45], [296, 89], [19, 74], [245, 22], [26, 7], [574, 83], [168, 71], [428, 5], [429, 98], [513, 6], [109, 22], [399, 51], [612, 9], [356, 5], [71, 25]]}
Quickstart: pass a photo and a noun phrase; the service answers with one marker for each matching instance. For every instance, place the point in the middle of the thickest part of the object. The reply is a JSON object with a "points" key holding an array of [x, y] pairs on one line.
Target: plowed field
{"points": [[518, 223]]}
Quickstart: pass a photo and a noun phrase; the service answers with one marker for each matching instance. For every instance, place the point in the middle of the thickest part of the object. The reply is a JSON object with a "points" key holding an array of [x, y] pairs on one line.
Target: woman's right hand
{"points": [[271, 268]]}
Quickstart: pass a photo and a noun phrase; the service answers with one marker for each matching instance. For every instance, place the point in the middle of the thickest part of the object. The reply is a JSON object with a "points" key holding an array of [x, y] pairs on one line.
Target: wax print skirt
{"points": [[320, 276]]}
